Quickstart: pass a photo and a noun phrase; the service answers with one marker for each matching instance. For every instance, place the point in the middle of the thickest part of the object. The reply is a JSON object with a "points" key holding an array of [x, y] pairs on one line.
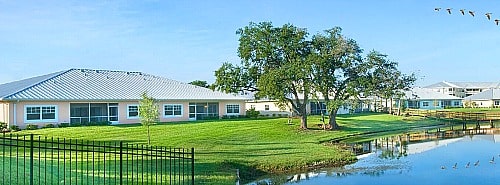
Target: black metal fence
{"points": [[32, 160]]}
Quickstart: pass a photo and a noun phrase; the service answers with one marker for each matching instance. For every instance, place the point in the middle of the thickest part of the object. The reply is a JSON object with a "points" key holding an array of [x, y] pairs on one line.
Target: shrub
{"points": [[104, 123], [75, 124], [252, 113], [210, 118], [48, 126], [14, 128], [62, 125], [3, 125], [31, 127]]}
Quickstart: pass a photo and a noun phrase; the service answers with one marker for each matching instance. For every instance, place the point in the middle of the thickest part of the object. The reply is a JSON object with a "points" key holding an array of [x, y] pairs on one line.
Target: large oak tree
{"points": [[385, 80], [273, 64], [337, 70], [281, 64]]}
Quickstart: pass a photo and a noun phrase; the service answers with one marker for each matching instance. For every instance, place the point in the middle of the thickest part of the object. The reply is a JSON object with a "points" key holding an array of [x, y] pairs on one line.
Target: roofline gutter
{"points": [[108, 100]]}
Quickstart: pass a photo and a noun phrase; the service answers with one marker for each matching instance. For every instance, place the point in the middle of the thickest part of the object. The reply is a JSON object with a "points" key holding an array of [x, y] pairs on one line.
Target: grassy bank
{"points": [[256, 147]]}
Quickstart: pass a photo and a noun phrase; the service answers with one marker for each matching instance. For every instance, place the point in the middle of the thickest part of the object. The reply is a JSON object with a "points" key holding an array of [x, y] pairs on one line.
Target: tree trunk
{"points": [[332, 120], [303, 122], [390, 109], [381, 106], [386, 106], [303, 118], [399, 107], [149, 141]]}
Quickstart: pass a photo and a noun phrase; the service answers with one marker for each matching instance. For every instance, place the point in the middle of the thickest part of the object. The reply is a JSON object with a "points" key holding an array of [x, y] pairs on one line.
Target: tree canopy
{"points": [[200, 83], [384, 79], [274, 65], [337, 71], [284, 64]]}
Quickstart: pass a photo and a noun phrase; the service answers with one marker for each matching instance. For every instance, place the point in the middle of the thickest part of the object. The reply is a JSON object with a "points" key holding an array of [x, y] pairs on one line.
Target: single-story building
{"points": [[488, 98], [422, 98], [314, 107], [86, 95]]}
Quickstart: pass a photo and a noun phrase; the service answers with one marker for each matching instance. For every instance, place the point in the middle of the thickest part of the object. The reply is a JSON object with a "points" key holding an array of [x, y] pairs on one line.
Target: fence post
{"points": [[31, 159], [121, 162], [192, 166]]}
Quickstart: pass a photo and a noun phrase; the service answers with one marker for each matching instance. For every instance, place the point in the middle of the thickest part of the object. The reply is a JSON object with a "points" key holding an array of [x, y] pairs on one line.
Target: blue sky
{"points": [[188, 40]]}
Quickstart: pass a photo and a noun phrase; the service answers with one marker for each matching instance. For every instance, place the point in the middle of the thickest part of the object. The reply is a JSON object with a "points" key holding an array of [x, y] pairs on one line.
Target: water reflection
{"points": [[452, 157]]}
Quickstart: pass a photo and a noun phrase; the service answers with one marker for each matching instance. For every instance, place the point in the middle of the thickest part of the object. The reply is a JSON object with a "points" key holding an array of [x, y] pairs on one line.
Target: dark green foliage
{"points": [[3, 125], [209, 118], [252, 113], [76, 124], [14, 128], [62, 125], [48, 126], [31, 127], [200, 83], [229, 117], [283, 64], [274, 65]]}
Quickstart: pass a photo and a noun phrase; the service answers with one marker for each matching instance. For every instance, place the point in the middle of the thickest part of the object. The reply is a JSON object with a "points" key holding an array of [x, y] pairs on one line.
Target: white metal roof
{"points": [[471, 85], [88, 84], [490, 94], [427, 94]]}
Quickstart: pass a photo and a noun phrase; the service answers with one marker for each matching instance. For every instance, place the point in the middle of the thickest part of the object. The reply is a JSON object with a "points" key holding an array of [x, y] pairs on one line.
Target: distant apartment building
{"points": [[462, 89]]}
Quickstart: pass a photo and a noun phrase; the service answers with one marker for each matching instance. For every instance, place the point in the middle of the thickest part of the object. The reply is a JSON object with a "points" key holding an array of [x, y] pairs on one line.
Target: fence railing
{"points": [[40, 160], [481, 116]]}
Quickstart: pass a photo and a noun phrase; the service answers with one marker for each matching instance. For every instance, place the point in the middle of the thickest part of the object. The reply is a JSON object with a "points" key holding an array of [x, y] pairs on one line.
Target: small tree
{"points": [[148, 112]]}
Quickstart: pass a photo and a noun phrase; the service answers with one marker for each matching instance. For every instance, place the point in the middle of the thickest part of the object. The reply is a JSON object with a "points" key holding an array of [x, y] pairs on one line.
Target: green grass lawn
{"points": [[256, 147]]}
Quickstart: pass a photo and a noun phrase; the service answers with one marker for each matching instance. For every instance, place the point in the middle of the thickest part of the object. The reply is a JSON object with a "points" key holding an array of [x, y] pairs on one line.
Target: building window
{"points": [[93, 112], [456, 103], [233, 109], [425, 104], [266, 107], [252, 106], [172, 110], [318, 108], [36, 113], [201, 111], [132, 111], [497, 103]]}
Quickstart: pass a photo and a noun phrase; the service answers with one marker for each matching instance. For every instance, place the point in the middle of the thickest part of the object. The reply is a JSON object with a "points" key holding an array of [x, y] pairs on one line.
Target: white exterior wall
{"points": [[483, 103], [223, 110], [7, 111], [62, 113], [273, 108]]}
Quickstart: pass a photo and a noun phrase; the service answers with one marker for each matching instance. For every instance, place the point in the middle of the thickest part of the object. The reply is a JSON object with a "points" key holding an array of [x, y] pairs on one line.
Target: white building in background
{"points": [[462, 89], [422, 98], [488, 98], [314, 107]]}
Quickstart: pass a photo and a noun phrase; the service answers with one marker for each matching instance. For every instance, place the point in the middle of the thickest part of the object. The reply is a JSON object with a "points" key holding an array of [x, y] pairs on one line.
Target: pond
{"points": [[405, 159]]}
